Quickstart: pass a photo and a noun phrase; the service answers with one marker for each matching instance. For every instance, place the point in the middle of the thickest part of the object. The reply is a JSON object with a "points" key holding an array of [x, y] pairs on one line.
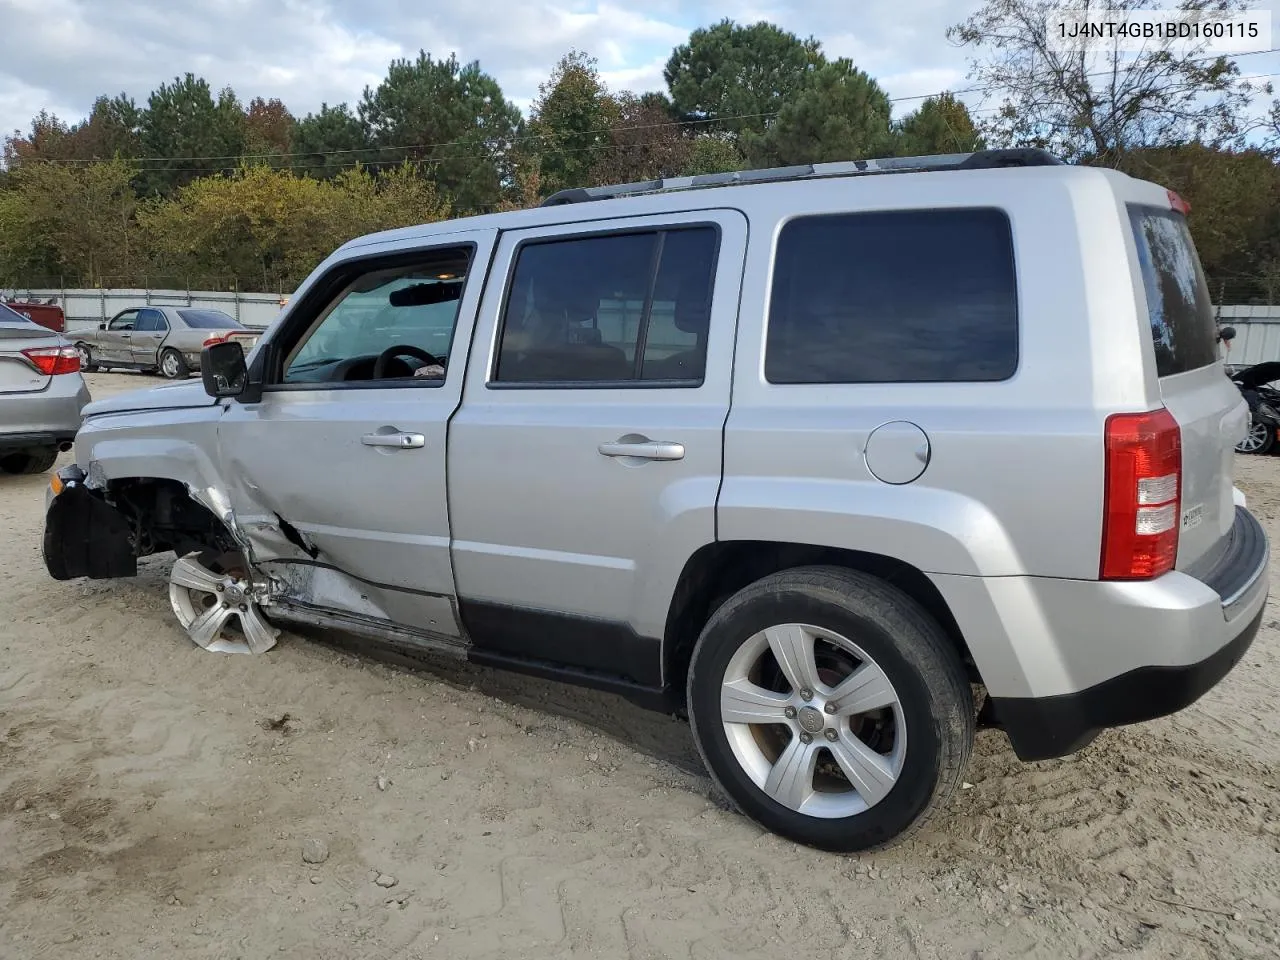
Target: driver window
{"points": [[124, 321], [388, 323]]}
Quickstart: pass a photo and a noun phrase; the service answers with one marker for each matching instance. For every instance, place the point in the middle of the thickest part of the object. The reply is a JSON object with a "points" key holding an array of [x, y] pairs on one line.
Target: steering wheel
{"points": [[401, 350]]}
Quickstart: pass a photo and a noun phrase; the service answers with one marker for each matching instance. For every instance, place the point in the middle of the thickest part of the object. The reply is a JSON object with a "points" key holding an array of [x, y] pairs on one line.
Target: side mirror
{"points": [[222, 368], [102, 325]]}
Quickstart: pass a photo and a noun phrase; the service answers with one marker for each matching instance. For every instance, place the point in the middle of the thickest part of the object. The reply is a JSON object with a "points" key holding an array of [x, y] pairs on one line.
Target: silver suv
{"points": [[840, 460]]}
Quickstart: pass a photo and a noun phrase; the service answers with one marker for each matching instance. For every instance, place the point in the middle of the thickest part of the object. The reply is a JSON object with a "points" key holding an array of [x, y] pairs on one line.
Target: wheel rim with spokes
{"points": [[813, 720], [1255, 438], [85, 357], [169, 365], [215, 604]]}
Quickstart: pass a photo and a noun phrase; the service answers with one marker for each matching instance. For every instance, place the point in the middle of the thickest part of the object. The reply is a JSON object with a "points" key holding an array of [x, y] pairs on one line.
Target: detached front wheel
{"points": [[830, 708]]}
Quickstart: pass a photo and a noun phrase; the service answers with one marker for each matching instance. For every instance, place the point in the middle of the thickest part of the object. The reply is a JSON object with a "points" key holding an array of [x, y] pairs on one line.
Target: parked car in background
{"points": [[41, 394], [47, 313], [164, 340], [1255, 383]]}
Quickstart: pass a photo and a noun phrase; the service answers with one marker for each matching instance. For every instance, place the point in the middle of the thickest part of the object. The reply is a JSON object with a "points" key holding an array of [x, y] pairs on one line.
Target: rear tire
{"points": [[882, 701], [87, 363], [31, 462], [172, 365]]}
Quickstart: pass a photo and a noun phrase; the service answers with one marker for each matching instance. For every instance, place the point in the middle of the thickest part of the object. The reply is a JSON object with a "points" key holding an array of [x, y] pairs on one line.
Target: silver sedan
{"points": [[41, 394], [164, 340]]}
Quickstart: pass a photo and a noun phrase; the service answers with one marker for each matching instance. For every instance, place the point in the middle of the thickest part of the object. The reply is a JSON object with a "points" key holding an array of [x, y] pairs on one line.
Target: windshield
{"points": [[209, 320]]}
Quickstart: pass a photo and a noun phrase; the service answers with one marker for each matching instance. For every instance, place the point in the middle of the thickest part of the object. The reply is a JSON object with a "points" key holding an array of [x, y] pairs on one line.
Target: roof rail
{"points": [[980, 160]]}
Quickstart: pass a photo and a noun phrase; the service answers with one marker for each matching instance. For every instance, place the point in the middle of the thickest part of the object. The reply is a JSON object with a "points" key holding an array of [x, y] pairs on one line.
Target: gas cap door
{"points": [[897, 452]]}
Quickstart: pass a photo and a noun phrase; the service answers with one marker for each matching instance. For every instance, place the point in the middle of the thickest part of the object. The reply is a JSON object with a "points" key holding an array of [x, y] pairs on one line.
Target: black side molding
{"points": [[557, 641]]}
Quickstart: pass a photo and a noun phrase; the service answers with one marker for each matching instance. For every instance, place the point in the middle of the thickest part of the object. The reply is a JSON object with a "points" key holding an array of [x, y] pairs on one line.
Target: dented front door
{"points": [[338, 474]]}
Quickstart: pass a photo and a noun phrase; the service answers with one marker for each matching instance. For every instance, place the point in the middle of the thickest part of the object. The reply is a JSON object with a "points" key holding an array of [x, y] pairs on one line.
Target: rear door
{"points": [[1193, 382], [585, 460], [148, 333], [17, 333]]}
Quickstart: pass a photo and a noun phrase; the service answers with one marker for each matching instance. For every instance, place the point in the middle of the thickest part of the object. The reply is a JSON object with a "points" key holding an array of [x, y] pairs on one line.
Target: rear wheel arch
{"points": [[716, 571]]}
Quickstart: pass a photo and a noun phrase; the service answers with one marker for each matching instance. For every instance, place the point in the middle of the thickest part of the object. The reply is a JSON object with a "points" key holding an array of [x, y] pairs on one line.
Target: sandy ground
{"points": [[155, 801]]}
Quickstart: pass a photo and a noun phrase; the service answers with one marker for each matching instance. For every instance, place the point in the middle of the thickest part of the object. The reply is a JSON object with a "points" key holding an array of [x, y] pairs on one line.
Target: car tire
{"points": [[1260, 439], [87, 363], [172, 365], [856, 626], [37, 462]]}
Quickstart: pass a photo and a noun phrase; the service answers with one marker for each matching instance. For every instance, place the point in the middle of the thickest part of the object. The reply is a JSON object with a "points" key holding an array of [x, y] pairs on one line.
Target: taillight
{"points": [[212, 340], [1143, 495], [54, 360], [1178, 203]]}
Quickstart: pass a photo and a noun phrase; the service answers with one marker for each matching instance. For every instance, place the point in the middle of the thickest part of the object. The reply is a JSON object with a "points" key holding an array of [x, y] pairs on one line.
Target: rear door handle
{"points": [[642, 448], [399, 441]]}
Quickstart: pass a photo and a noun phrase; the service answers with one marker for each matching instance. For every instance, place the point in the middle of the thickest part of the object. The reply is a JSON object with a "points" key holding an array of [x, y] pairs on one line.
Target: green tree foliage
{"points": [[570, 123], [735, 78], [713, 153], [1235, 207], [329, 141], [267, 229], [1098, 103], [450, 117], [73, 221], [941, 124], [184, 121], [839, 114]]}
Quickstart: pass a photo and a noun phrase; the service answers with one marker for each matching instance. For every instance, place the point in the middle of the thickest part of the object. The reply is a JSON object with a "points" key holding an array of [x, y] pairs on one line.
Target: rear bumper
{"points": [[1041, 728], [1063, 660], [10, 442], [43, 419]]}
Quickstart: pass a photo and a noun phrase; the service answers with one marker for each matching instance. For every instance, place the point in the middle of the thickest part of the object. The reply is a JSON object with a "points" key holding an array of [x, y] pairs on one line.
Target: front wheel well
{"points": [[164, 516], [719, 570]]}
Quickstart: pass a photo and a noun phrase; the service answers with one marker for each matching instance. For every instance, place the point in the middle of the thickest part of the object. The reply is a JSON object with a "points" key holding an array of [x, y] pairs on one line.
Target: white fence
{"points": [[1257, 333], [87, 308]]}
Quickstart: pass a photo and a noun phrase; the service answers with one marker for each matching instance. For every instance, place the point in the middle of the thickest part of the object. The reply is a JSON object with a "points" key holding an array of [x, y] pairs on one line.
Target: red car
{"points": [[46, 314]]}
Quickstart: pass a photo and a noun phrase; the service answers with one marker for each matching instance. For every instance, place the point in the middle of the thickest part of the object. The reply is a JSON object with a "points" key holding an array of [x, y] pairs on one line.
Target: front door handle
{"points": [[399, 441], [642, 448]]}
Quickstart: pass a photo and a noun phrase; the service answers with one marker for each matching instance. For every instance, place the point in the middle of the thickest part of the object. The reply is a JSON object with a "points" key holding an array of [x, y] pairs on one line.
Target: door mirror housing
{"points": [[223, 370], [102, 325]]}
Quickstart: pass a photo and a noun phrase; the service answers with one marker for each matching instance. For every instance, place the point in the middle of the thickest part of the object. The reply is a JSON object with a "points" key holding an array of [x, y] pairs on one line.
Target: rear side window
{"points": [[209, 320], [610, 309], [910, 296], [1178, 304]]}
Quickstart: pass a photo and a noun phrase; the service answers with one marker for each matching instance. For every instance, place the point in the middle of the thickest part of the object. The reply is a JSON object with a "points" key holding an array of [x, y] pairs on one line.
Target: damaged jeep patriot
{"points": [[840, 461]]}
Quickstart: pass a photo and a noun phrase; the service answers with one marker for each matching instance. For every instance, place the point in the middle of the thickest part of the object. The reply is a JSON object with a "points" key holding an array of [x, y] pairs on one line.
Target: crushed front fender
{"points": [[84, 536]]}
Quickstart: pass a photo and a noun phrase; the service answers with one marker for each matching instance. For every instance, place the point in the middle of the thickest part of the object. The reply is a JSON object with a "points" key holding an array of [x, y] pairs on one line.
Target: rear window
{"points": [[209, 320], [904, 296], [1178, 304], [8, 315]]}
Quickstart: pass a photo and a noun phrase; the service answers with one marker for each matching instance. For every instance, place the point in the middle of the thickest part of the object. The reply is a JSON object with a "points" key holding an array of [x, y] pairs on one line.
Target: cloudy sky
{"points": [[59, 55]]}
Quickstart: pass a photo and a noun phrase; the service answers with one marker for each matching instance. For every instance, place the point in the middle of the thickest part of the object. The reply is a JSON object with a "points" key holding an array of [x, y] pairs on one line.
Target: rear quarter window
{"points": [[1179, 309], [908, 296]]}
